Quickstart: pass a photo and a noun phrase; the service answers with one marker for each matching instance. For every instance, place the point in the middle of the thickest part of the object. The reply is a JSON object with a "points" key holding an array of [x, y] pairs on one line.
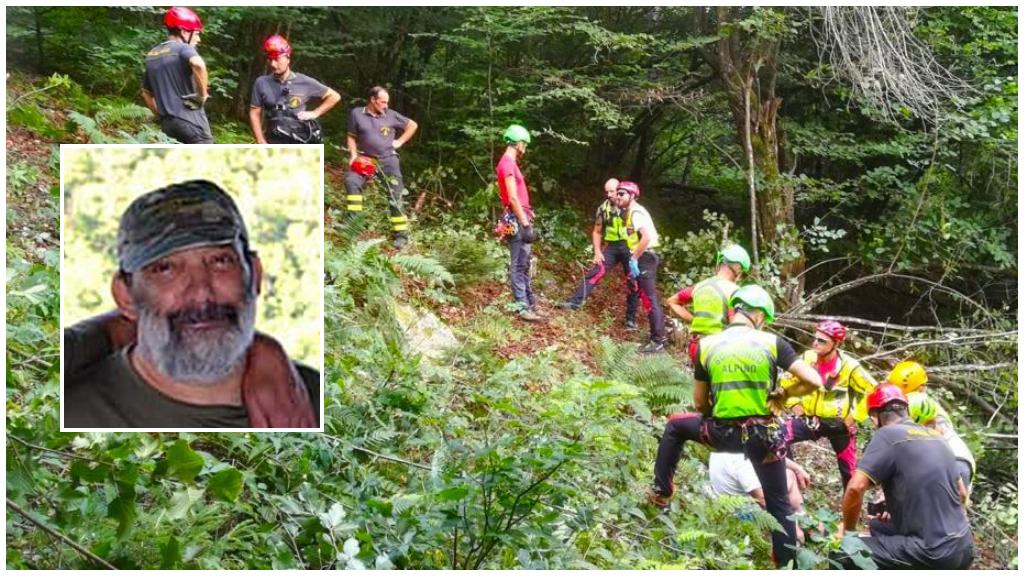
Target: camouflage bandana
{"points": [[187, 215]]}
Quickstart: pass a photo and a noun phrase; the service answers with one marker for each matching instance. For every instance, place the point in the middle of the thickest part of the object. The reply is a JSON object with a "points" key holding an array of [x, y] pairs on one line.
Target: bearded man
{"points": [[186, 293]]}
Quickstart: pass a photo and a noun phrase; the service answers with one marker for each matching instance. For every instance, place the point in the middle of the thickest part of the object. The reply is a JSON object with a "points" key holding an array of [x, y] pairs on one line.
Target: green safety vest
{"points": [[611, 222], [711, 305], [740, 362]]}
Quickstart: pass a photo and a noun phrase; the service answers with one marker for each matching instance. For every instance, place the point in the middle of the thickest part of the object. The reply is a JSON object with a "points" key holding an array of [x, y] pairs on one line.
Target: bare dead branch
{"points": [[874, 49]]}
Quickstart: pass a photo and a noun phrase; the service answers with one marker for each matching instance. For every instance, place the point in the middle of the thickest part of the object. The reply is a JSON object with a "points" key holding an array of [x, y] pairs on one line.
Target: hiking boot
{"points": [[652, 347], [567, 306], [537, 311], [632, 326], [530, 316], [400, 241], [657, 498]]}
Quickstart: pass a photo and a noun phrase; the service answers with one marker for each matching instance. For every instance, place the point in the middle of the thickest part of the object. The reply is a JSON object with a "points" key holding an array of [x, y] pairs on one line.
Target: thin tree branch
{"points": [[42, 526]]}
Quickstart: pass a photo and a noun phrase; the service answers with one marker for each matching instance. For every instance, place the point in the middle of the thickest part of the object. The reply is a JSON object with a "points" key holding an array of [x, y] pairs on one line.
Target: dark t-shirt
{"points": [[375, 134], [293, 93], [111, 394], [918, 474], [784, 353], [168, 77]]}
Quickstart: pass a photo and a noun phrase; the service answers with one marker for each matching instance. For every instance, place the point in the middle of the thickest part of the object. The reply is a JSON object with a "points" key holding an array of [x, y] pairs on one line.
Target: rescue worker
{"points": [[175, 85], [376, 131], [910, 377], [737, 398], [641, 239], [282, 96], [832, 411], [515, 197], [609, 241], [927, 525], [709, 298]]}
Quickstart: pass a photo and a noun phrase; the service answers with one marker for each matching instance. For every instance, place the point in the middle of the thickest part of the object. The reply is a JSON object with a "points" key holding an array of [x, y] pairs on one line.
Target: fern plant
{"points": [[667, 386]]}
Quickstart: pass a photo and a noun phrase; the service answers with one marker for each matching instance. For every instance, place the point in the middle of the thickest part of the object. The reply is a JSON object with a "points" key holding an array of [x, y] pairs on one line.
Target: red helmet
{"points": [[182, 18], [364, 166], [275, 46], [832, 329], [629, 186], [885, 395]]}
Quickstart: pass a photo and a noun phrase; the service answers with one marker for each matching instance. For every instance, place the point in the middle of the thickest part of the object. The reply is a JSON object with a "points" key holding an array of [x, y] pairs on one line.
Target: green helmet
{"points": [[516, 133], [754, 297], [735, 254], [923, 409]]}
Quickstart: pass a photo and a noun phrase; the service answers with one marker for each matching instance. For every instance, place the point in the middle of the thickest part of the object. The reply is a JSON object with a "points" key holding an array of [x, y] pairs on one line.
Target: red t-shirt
{"points": [[685, 296], [507, 167]]}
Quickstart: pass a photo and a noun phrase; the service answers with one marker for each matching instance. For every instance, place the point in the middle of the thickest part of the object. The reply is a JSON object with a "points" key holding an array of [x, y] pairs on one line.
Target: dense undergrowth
{"points": [[491, 456]]}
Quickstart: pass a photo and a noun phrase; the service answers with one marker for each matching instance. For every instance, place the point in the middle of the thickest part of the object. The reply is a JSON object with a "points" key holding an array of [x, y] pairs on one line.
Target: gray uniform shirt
{"points": [[168, 77], [375, 134], [294, 93], [917, 472]]}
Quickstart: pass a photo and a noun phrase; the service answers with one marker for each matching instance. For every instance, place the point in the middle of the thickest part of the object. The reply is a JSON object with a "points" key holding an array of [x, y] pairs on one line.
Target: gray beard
{"points": [[193, 358]]}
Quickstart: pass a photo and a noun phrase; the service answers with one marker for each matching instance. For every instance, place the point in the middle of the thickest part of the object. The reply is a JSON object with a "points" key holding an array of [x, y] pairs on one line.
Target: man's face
{"points": [[822, 345], [196, 312], [192, 38], [279, 66], [609, 188], [379, 103], [622, 198]]}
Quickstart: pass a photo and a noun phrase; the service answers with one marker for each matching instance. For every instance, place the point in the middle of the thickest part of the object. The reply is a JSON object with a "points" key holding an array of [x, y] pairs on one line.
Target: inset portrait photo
{"points": [[191, 288]]}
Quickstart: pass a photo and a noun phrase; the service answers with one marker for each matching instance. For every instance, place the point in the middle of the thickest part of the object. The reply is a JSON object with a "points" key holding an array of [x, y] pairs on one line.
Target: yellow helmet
{"points": [[908, 375]]}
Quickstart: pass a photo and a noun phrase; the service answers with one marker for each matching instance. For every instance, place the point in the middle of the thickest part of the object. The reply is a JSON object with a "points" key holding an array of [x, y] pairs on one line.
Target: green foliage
{"points": [[667, 387], [469, 255]]}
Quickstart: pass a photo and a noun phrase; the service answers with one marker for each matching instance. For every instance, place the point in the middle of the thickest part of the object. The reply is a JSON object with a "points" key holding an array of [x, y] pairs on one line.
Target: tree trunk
{"points": [[746, 65]]}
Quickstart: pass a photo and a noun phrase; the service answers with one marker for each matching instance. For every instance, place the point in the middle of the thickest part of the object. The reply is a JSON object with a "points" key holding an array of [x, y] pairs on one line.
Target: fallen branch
{"points": [[42, 526], [58, 452], [883, 325], [379, 455], [988, 338], [970, 368], [819, 298]]}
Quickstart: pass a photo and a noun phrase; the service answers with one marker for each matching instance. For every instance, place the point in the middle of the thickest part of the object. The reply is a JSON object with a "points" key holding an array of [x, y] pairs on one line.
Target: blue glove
{"points": [[634, 268]]}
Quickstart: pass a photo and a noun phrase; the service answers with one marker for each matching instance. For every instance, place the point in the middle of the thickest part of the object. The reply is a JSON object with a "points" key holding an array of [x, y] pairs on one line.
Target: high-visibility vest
{"points": [[611, 222], [632, 233], [740, 362], [711, 305], [852, 387]]}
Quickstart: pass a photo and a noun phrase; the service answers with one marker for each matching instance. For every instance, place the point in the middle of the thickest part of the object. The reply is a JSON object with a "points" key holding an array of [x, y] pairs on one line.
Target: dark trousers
{"points": [[615, 254], [892, 551], [521, 249], [648, 287], [758, 441], [186, 132], [389, 174], [842, 438]]}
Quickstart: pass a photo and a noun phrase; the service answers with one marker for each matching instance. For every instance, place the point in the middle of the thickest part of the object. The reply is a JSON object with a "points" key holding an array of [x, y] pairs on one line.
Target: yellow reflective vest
{"points": [[852, 386]]}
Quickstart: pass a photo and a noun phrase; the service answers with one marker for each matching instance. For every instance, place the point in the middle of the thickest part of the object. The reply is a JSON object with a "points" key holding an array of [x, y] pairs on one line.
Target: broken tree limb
{"points": [[971, 367], [876, 324], [819, 298], [54, 533]]}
